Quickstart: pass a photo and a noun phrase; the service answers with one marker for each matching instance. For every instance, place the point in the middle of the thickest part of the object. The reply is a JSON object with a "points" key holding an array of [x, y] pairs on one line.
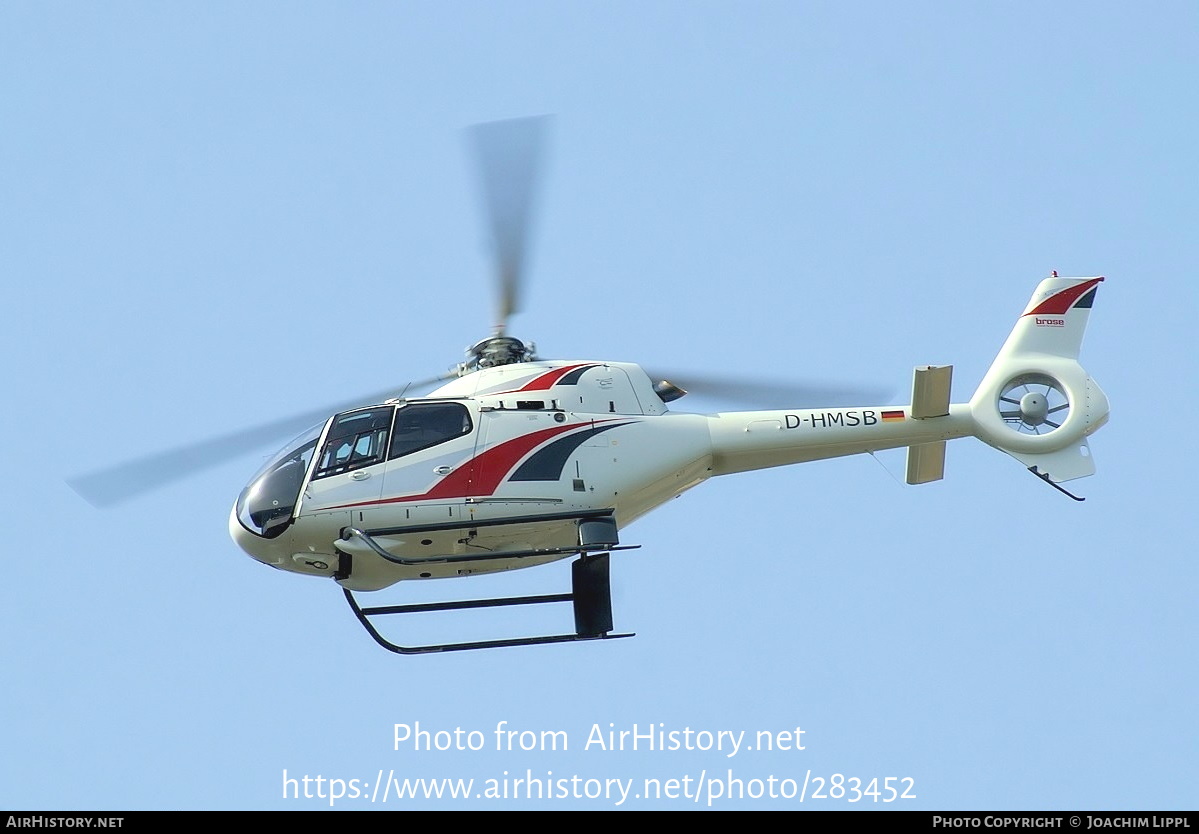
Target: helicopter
{"points": [[516, 461]]}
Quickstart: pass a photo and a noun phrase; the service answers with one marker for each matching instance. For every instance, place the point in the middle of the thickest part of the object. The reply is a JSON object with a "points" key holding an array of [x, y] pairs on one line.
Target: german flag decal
{"points": [[893, 416]]}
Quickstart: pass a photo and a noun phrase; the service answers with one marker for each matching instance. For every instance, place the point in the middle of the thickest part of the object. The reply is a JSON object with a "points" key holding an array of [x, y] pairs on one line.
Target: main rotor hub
{"points": [[495, 351]]}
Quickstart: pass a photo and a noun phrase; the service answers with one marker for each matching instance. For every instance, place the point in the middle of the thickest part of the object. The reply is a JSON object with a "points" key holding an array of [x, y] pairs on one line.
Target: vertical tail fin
{"points": [[1036, 402], [1055, 319]]}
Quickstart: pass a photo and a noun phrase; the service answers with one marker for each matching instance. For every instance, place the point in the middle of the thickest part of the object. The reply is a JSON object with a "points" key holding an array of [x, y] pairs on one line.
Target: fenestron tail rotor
{"points": [[1034, 404]]}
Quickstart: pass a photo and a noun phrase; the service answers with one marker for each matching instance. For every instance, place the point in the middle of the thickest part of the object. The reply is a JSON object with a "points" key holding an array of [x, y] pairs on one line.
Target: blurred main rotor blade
{"points": [[117, 484], [763, 394], [508, 154]]}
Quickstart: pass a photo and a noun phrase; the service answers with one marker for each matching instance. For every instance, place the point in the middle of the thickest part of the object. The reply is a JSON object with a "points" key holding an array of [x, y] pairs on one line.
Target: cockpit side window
{"points": [[355, 440], [421, 425]]}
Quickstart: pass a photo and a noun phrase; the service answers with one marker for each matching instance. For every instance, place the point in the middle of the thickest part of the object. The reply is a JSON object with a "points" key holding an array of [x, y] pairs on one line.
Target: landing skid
{"points": [[590, 595]]}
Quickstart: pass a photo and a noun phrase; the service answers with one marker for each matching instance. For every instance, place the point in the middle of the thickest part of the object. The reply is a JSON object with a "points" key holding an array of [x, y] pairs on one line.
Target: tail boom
{"points": [[748, 440], [1036, 403]]}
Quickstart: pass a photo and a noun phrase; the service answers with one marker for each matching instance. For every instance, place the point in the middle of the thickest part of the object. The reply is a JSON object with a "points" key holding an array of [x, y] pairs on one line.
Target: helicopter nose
{"points": [[268, 551]]}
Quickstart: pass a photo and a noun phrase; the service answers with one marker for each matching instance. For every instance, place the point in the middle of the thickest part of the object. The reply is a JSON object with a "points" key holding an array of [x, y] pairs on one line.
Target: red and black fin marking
{"points": [[1081, 296]]}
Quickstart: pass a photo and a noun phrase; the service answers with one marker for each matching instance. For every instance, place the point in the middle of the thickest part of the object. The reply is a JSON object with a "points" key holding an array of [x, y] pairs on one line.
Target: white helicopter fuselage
{"points": [[545, 440], [529, 462], [518, 462]]}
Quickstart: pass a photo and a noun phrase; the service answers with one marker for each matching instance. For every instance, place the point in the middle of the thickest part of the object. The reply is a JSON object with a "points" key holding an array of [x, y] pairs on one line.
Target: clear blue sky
{"points": [[217, 214]]}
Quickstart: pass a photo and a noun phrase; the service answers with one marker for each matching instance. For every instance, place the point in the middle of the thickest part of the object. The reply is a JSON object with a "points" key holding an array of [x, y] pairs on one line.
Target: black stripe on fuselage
{"points": [[572, 378], [547, 464]]}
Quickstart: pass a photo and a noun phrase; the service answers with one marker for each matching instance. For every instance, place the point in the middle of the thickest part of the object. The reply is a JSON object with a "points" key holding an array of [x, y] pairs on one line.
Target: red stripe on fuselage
{"points": [[547, 380], [483, 475], [543, 382]]}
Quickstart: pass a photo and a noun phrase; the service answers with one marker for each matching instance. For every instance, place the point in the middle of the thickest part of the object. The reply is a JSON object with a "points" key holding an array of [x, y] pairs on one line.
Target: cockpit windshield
{"points": [[265, 507]]}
